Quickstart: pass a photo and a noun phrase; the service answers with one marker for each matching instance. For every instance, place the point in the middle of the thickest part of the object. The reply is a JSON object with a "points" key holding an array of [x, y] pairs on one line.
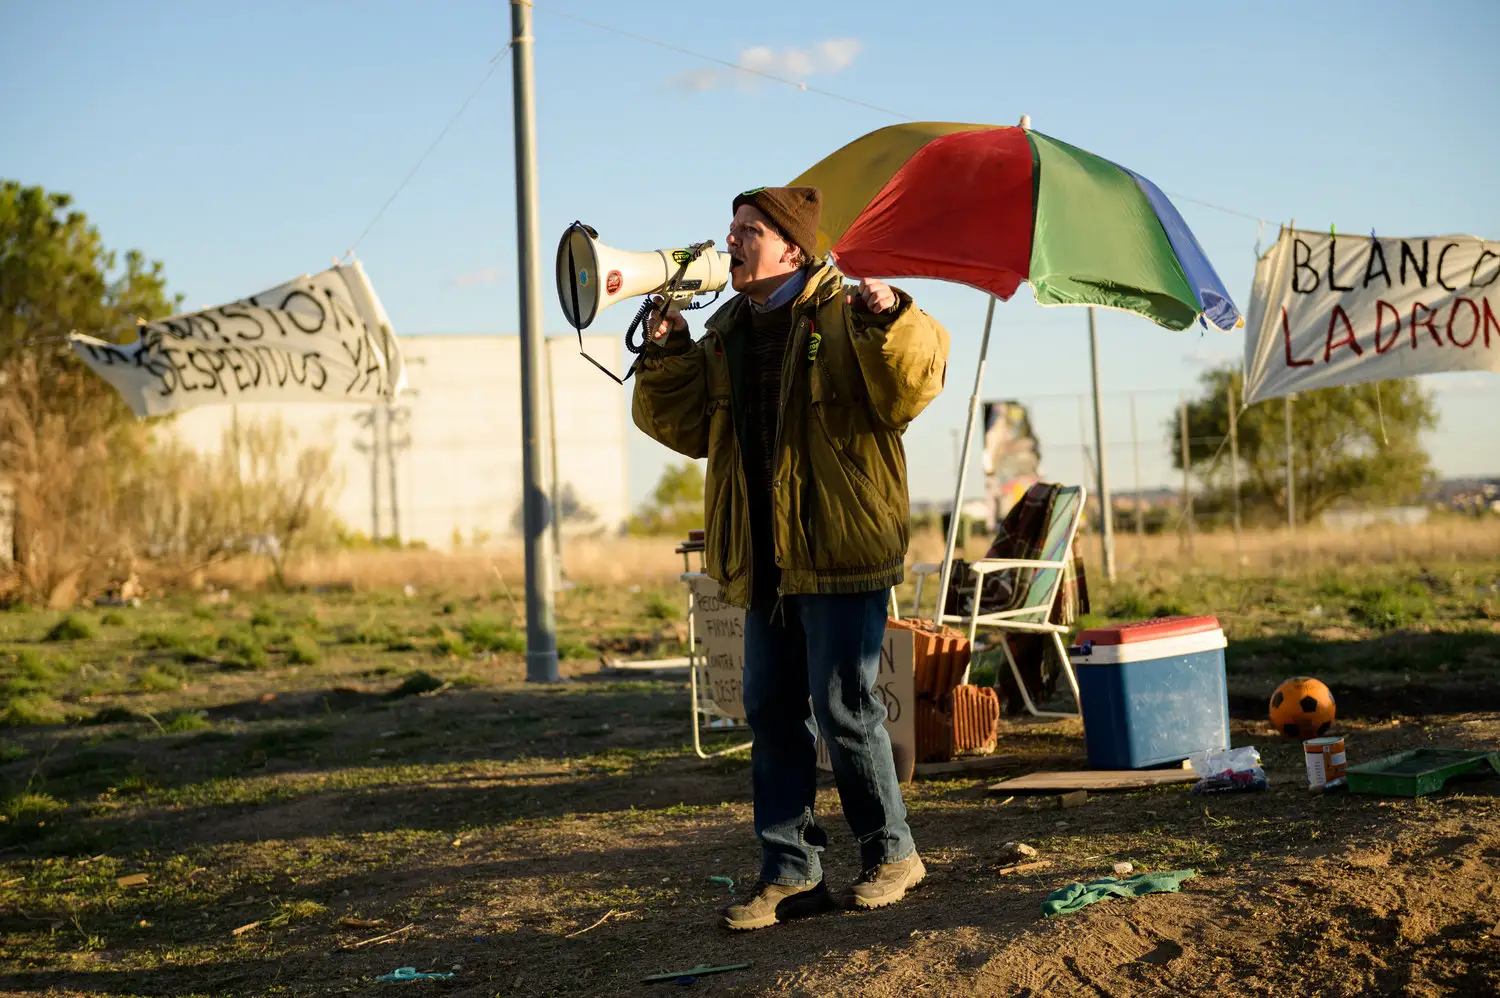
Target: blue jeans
{"points": [[828, 647]]}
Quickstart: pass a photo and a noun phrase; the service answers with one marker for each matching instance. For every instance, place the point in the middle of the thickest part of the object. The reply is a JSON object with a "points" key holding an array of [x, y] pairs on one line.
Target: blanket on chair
{"points": [[1022, 534]]}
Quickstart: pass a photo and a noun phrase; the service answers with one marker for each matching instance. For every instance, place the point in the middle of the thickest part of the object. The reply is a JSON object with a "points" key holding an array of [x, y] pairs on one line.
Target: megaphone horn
{"points": [[592, 276]]}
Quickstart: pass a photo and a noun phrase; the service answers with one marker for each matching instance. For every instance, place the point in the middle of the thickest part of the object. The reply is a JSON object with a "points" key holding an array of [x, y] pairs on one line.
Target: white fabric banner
{"points": [[324, 338], [1343, 310]]}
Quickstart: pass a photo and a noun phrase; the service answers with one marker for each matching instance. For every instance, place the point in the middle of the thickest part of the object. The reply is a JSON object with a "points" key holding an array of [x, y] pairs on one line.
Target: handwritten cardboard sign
{"points": [[720, 632]]}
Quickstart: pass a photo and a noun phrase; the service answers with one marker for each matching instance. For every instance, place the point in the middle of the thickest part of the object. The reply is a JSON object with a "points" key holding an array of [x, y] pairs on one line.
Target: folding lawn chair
{"points": [[1030, 609]]}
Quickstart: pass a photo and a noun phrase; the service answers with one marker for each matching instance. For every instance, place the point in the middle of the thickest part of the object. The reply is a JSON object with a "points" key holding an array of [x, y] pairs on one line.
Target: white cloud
{"points": [[474, 278], [830, 56]]}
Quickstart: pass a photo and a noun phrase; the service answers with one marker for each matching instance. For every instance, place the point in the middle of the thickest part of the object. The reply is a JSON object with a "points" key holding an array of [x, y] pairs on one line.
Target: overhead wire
{"points": [[804, 86], [691, 53], [494, 65]]}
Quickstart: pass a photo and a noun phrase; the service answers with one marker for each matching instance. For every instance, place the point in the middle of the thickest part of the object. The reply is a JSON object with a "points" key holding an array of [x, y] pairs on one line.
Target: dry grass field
{"points": [[246, 792]]}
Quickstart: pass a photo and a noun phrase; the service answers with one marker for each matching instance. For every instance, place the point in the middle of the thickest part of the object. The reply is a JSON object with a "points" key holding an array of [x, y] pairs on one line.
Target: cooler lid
{"points": [[1147, 630]]}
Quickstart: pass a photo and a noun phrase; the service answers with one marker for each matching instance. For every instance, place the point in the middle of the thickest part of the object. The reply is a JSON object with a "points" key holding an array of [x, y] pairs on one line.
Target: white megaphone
{"points": [[592, 276]]}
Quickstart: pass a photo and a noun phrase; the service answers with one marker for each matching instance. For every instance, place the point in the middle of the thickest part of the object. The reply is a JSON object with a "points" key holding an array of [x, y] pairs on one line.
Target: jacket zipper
{"points": [[794, 350]]}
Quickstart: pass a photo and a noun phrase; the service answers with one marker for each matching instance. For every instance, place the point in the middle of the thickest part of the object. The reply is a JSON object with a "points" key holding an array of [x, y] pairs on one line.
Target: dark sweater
{"points": [[770, 331]]}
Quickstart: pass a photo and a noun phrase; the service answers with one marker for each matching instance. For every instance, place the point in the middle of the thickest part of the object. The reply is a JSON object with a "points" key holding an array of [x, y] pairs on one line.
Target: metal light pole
{"points": [[557, 510], [1106, 513], [541, 636]]}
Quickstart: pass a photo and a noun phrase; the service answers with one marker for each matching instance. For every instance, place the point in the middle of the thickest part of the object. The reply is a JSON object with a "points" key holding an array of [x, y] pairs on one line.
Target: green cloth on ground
{"points": [[1066, 900]]}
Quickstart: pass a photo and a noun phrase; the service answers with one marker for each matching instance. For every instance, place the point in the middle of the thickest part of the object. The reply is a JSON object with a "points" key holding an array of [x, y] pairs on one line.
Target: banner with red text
{"points": [[1332, 309]]}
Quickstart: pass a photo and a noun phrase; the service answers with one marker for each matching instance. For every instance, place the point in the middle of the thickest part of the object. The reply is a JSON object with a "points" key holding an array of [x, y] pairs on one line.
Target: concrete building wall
{"points": [[457, 435]]}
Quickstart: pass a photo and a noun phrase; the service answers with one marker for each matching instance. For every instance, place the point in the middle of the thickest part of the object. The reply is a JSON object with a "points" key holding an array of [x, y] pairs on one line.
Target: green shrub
{"points": [[294, 912], [204, 612], [574, 650], [113, 619], [1170, 606], [658, 607], [304, 651], [263, 617], [414, 684], [368, 633], [481, 632], [33, 709], [243, 650], [18, 806], [71, 628], [31, 674], [490, 634], [187, 646], [1128, 604], [451, 644], [1386, 609], [183, 721], [159, 679]]}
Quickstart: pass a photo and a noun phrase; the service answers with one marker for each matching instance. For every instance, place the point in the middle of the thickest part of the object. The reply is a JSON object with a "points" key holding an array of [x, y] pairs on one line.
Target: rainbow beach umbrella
{"points": [[991, 206]]}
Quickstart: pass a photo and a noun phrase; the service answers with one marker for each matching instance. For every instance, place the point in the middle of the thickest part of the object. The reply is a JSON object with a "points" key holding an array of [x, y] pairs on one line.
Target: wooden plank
{"points": [[1093, 779], [973, 764]]}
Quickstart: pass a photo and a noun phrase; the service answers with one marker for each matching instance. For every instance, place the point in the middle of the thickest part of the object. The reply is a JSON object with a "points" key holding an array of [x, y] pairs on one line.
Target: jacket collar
{"points": [[823, 283]]}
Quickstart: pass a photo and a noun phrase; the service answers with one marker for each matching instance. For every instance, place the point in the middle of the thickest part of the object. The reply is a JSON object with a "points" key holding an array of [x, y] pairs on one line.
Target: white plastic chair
{"points": [[1033, 615]]}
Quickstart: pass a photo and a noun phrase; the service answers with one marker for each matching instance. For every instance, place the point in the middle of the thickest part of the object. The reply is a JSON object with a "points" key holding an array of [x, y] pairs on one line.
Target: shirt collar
{"points": [[788, 290]]}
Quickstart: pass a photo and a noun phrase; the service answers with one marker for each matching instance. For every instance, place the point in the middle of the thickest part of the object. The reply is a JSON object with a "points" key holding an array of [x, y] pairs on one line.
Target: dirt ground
{"points": [[313, 828]]}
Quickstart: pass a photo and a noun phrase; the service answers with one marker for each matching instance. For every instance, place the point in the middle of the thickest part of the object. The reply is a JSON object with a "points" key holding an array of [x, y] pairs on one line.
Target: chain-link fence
{"points": [[1157, 508]]}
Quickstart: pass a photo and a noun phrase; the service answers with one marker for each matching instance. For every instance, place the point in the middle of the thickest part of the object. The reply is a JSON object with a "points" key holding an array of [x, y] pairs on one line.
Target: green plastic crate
{"points": [[1418, 771]]}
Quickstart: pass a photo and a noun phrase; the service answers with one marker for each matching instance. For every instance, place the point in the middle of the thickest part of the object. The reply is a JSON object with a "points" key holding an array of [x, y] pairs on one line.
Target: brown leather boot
{"points": [[774, 903], [888, 883]]}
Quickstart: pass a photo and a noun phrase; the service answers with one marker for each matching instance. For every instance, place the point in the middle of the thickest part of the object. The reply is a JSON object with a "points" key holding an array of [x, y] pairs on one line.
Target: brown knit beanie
{"points": [[793, 210]]}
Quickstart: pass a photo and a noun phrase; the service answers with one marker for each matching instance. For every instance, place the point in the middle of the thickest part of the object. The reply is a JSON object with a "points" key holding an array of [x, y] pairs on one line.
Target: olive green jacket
{"points": [[851, 382]]}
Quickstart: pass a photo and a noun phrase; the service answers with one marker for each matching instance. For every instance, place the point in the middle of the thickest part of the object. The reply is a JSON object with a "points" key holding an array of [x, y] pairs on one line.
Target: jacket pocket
{"points": [[723, 560], [839, 447]]}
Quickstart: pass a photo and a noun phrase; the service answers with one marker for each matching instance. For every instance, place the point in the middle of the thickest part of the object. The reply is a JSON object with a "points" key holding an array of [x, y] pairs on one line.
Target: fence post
{"points": [[1135, 447], [1234, 468], [1187, 488], [1106, 505], [1291, 481]]}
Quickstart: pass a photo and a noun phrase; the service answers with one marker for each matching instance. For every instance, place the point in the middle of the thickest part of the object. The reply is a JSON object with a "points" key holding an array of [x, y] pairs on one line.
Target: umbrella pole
{"points": [[963, 467]]}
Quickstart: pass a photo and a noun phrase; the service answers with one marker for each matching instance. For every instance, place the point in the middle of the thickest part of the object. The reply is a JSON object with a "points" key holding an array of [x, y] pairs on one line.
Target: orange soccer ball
{"points": [[1302, 707]]}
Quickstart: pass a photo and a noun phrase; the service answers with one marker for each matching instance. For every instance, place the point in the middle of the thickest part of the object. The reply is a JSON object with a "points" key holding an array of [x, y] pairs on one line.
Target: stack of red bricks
{"points": [[952, 720]]}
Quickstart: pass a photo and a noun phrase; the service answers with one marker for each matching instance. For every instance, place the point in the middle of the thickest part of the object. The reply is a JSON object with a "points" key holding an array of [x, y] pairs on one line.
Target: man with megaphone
{"points": [[798, 395]]}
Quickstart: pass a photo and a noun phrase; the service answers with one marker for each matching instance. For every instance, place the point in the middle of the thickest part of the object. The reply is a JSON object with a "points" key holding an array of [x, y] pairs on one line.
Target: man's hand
{"points": [[662, 325], [876, 296]]}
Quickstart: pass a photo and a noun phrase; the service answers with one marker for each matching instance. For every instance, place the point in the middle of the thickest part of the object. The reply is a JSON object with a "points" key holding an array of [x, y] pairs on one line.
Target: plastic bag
{"points": [[1229, 771]]}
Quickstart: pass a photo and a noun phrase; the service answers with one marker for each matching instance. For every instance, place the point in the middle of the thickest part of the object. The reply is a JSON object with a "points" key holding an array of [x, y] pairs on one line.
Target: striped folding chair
{"points": [[1038, 583]]}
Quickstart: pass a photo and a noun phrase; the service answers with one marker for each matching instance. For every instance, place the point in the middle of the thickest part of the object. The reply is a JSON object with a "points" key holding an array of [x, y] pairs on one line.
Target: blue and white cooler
{"points": [[1152, 693]]}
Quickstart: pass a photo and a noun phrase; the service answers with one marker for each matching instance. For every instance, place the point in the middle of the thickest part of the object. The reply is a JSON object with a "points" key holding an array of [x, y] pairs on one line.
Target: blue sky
{"points": [[244, 143]]}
